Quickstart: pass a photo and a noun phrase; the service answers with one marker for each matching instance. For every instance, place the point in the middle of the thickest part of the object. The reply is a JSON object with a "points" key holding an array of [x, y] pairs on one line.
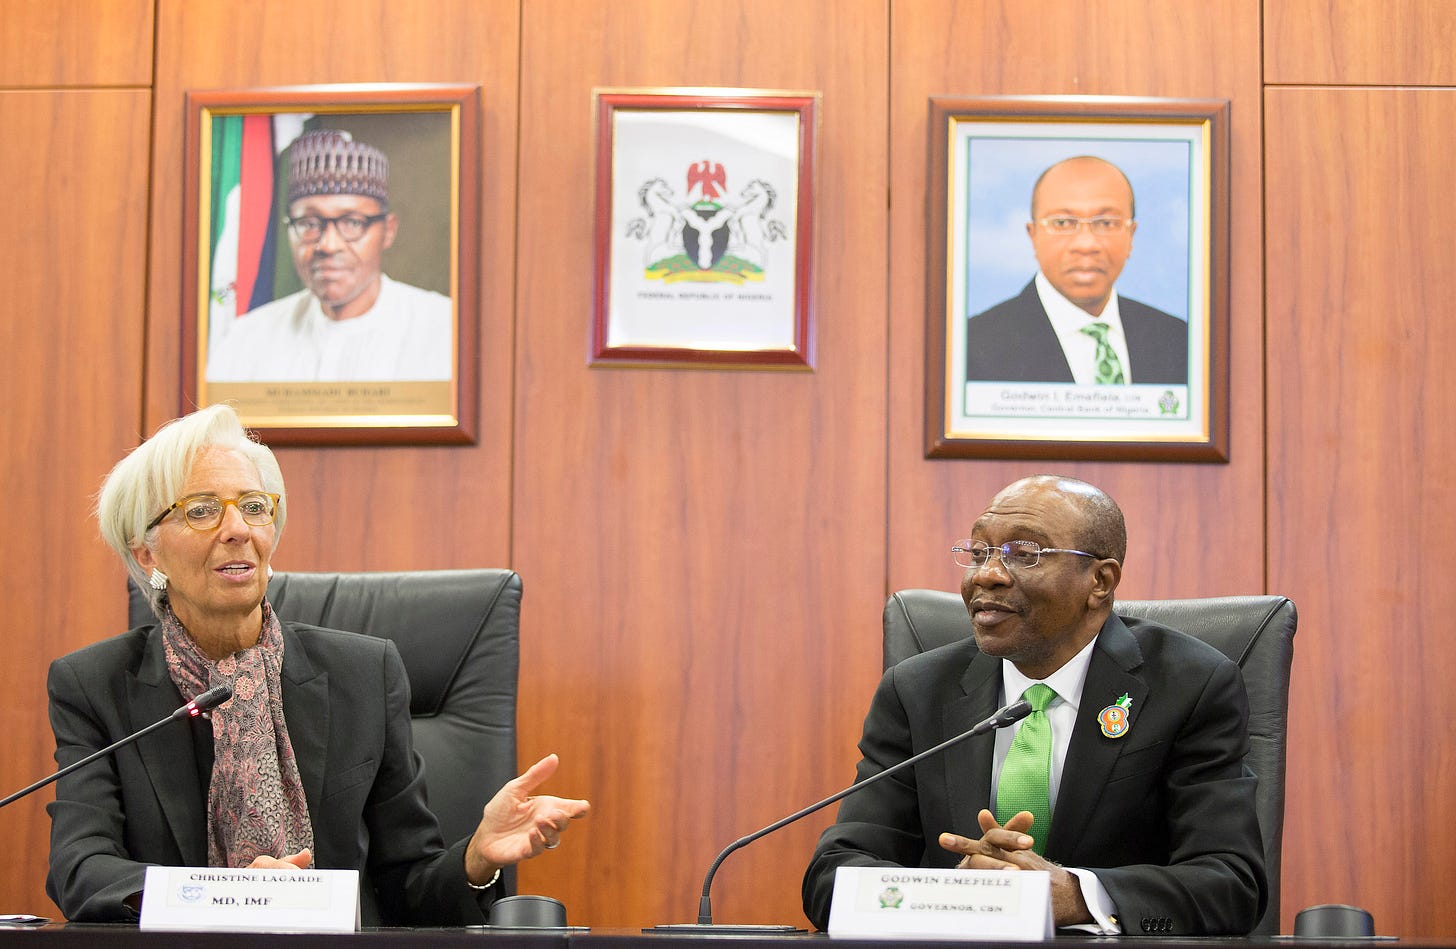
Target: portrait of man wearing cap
{"points": [[350, 322]]}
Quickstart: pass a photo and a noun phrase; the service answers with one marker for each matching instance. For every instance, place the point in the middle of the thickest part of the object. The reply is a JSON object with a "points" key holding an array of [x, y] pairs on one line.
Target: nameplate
{"points": [[202, 899], [972, 905]]}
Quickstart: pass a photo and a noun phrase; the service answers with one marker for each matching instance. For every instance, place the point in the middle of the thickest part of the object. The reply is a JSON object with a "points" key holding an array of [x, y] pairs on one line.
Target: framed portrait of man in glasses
{"points": [[1078, 279], [330, 261]]}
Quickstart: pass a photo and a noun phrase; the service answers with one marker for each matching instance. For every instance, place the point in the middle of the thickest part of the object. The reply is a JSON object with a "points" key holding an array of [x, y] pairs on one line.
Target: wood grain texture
{"points": [[72, 339], [76, 43], [361, 508], [1361, 454], [1360, 42], [703, 550], [1176, 513], [706, 552]]}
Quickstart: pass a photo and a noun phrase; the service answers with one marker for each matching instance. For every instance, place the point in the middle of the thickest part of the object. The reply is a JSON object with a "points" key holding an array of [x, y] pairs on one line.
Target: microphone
{"points": [[205, 702], [1008, 715]]}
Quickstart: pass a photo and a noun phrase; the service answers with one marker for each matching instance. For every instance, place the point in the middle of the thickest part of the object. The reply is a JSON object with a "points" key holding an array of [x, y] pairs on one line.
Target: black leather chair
{"points": [[1257, 632], [458, 632]]}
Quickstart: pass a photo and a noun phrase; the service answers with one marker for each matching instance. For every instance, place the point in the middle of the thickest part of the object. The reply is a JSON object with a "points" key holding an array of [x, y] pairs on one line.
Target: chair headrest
{"points": [[434, 617]]}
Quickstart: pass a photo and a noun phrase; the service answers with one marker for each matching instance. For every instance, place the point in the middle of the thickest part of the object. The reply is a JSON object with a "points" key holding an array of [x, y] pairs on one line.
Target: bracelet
{"points": [[487, 884]]}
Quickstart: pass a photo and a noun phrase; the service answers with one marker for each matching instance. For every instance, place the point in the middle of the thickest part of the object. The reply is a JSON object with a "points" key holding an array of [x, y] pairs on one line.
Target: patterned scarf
{"points": [[255, 803]]}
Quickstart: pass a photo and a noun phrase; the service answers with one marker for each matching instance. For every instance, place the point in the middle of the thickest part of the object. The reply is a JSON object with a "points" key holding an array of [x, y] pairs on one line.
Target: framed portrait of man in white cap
{"points": [[327, 292]]}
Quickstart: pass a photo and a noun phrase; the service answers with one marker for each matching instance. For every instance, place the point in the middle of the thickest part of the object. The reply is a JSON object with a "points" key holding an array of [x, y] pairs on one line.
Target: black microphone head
{"points": [[211, 699], [1014, 712]]}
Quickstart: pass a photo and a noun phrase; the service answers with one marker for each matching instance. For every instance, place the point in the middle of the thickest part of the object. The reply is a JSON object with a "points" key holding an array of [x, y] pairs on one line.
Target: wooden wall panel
{"points": [[358, 508], [74, 164], [76, 43], [1194, 529], [1360, 42], [706, 552], [1361, 455], [703, 550]]}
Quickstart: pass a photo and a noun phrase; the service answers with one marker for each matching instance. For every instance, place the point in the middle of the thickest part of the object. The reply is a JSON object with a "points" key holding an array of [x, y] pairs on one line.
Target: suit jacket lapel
{"points": [[306, 702], [1041, 343], [968, 764], [168, 754], [1091, 755]]}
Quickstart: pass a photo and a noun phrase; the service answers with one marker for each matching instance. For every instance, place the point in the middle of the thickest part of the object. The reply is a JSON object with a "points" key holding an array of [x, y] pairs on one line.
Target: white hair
{"points": [[150, 478]]}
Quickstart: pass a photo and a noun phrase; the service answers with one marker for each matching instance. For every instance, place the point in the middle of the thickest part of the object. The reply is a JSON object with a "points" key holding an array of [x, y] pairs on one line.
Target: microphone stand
{"points": [[205, 702], [1012, 713]]}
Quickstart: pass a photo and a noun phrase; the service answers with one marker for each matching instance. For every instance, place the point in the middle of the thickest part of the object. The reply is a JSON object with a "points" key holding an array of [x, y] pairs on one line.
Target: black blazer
{"points": [[1014, 341], [1164, 815], [346, 700]]}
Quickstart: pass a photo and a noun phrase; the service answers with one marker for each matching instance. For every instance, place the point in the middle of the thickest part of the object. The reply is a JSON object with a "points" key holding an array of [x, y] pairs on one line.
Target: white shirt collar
{"points": [[1067, 681], [1067, 319]]}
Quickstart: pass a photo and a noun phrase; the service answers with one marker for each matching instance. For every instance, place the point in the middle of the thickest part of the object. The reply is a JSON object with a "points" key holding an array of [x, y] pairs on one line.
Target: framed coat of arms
{"points": [[704, 204]]}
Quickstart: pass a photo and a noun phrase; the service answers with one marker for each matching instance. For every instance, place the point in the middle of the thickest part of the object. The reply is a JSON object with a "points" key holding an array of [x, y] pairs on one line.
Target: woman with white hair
{"points": [[310, 763]]}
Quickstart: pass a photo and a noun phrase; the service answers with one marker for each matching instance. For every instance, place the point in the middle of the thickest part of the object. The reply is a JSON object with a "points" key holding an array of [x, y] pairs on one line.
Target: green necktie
{"points": [[1109, 367], [1026, 772]]}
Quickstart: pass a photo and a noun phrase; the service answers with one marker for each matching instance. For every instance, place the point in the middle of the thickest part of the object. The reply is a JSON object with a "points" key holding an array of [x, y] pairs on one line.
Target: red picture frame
{"points": [[704, 228]]}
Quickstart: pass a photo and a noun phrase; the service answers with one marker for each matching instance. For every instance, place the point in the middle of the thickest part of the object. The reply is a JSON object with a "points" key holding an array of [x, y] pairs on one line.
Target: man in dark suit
{"points": [[1148, 821], [1069, 324]]}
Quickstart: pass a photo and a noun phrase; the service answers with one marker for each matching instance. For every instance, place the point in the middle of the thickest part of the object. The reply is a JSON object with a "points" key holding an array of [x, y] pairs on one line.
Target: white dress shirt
{"points": [[407, 335], [1061, 714], [1080, 349]]}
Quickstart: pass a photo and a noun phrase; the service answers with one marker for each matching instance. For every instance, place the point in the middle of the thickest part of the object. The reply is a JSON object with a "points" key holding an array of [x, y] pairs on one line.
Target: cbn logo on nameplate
{"points": [[242, 900], [912, 903]]}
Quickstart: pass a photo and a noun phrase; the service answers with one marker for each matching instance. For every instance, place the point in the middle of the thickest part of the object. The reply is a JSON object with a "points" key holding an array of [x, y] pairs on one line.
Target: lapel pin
{"points": [[1113, 718]]}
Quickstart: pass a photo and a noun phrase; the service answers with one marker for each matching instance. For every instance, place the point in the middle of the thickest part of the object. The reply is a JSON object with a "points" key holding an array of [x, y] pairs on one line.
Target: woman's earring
{"points": [[270, 571], [158, 581]]}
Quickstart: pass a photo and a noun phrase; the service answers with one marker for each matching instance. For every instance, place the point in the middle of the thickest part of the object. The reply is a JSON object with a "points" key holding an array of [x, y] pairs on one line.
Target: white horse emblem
{"points": [[679, 236]]}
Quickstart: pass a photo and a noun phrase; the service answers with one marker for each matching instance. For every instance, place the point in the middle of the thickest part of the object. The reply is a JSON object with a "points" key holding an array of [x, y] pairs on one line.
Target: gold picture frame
{"points": [[268, 325], [1000, 382]]}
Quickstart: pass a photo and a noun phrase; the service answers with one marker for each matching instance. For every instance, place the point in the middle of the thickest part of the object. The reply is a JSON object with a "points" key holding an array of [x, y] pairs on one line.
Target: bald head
{"points": [[1097, 522], [1076, 170]]}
